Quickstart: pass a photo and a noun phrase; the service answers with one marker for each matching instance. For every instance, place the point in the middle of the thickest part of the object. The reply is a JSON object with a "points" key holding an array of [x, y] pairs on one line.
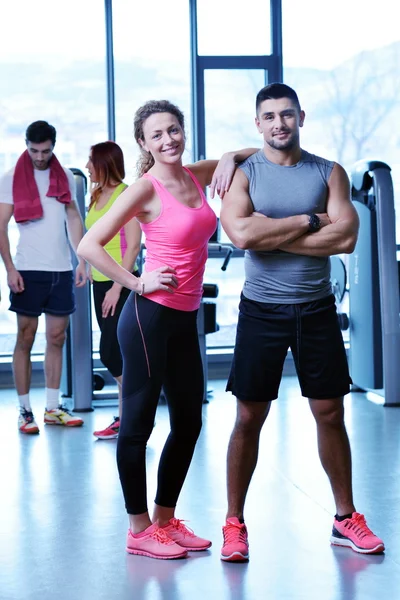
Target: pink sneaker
{"points": [[110, 432], [184, 536], [236, 545], [355, 533], [155, 543]]}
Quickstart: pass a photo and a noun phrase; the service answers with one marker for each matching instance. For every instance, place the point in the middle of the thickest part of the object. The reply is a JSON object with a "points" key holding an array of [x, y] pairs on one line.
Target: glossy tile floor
{"points": [[63, 527]]}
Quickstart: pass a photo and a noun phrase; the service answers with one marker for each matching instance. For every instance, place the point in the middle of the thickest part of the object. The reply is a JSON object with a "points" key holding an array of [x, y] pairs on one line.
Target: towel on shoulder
{"points": [[27, 204]]}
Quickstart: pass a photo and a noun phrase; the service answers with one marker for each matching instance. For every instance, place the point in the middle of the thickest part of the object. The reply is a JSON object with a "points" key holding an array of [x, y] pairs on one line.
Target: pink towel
{"points": [[27, 204]]}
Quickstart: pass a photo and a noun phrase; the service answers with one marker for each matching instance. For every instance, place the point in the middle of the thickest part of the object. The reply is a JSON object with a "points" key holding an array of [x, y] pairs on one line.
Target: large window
{"points": [[152, 62], [233, 63], [226, 28], [52, 67], [229, 125], [344, 65]]}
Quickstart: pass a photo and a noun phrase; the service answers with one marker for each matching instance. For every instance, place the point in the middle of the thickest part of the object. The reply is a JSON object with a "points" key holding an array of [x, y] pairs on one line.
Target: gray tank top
{"points": [[277, 192]]}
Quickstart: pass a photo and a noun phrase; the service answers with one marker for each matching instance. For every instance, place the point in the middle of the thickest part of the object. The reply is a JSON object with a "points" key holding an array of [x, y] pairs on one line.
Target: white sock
{"points": [[52, 398], [24, 402]]}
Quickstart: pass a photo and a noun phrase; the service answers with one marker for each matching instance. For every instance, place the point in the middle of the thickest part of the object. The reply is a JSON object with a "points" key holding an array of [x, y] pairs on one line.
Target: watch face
{"points": [[314, 223]]}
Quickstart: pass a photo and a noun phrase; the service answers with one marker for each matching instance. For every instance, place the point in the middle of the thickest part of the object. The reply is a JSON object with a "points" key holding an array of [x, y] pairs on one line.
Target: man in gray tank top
{"points": [[290, 210]]}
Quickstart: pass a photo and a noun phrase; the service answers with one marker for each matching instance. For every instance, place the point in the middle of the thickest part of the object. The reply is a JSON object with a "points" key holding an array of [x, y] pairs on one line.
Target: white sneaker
{"points": [[61, 416], [26, 422]]}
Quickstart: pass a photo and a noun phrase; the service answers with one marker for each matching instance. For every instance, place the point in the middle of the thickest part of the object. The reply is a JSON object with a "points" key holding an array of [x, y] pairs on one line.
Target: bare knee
{"points": [[250, 416], [25, 339], [328, 412], [56, 338]]}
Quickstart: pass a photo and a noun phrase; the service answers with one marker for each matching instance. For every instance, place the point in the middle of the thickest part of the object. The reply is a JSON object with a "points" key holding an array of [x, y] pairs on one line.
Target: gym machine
{"points": [[374, 285], [77, 373]]}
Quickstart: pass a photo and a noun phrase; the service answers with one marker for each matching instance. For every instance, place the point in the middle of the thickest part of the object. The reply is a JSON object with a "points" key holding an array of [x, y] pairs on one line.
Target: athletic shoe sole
{"points": [[63, 424], [201, 549], [349, 544], [106, 437], [150, 555], [235, 557], [32, 431]]}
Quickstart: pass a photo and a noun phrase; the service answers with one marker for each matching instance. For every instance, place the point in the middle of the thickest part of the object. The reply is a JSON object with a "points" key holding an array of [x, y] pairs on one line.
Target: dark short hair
{"points": [[275, 91], [40, 131]]}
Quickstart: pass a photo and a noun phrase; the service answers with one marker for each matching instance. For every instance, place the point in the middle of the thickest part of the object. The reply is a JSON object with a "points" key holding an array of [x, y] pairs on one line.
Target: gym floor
{"points": [[63, 526]]}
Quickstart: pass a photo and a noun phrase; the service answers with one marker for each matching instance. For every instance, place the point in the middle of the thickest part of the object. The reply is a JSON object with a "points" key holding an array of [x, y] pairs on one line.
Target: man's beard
{"points": [[291, 143], [41, 165]]}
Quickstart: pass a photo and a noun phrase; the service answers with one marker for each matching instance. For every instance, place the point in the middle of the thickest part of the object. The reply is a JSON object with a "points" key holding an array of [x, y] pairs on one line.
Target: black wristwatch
{"points": [[314, 223]]}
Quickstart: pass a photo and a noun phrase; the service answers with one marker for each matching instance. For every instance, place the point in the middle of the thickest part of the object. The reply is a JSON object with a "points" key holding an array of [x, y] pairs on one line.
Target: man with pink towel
{"points": [[40, 194]]}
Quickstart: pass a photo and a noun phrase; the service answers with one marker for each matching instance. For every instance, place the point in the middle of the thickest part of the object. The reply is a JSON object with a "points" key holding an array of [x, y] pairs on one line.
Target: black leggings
{"points": [[160, 348], [110, 354]]}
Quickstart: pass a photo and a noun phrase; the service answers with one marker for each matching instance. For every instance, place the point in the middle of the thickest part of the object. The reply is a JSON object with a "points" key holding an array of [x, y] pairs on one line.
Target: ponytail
{"points": [[144, 163]]}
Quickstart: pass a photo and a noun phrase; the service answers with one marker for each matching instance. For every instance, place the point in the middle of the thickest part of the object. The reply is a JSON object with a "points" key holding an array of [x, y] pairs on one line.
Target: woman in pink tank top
{"points": [[157, 329]]}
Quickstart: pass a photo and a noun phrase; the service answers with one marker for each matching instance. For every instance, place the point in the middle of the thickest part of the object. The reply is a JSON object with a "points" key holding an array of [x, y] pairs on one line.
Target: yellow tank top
{"points": [[116, 247]]}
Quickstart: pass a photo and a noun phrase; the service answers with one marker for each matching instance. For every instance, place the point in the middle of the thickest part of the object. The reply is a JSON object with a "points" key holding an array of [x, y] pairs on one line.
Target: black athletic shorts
{"points": [[50, 292], [266, 331]]}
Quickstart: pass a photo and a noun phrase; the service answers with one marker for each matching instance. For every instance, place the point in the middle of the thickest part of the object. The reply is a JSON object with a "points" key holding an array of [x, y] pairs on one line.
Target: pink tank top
{"points": [[178, 237]]}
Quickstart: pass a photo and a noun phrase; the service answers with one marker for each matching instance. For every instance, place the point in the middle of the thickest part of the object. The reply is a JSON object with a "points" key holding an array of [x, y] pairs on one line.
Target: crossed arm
{"points": [[340, 235], [249, 230]]}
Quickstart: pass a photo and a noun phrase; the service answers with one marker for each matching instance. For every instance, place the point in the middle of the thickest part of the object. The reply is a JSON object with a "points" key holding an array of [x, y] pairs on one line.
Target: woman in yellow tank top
{"points": [[107, 171]]}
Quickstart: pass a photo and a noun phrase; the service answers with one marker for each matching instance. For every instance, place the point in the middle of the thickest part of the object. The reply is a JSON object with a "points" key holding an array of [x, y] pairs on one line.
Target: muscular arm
{"points": [[6, 212], [340, 235], [248, 231]]}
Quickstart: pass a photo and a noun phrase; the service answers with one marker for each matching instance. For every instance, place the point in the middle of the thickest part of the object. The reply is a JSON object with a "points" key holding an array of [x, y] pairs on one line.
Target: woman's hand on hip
{"points": [[163, 278]]}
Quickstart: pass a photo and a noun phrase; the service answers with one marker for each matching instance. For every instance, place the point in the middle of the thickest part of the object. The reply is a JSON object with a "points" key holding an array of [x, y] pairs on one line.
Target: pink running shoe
{"points": [[155, 543], [355, 533], [236, 545], [110, 432], [184, 536]]}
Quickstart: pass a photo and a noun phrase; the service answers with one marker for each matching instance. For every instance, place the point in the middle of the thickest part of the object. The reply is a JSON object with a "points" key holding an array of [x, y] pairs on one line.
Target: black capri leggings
{"points": [[160, 348], [110, 353]]}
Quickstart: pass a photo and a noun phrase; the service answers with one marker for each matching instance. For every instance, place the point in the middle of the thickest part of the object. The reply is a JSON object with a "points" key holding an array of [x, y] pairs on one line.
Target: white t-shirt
{"points": [[43, 243]]}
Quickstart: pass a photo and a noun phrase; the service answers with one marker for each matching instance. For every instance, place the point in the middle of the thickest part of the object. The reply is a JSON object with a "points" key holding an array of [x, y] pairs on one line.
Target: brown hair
{"points": [[146, 161], [108, 162]]}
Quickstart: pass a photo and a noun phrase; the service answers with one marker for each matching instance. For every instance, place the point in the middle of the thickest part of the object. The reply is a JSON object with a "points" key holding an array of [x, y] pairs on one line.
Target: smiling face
{"points": [[163, 137], [279, 122]]}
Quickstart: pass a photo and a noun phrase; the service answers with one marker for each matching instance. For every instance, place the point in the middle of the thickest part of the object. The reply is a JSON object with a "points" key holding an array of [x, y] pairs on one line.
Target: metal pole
{"points": [[194, 70], [276, 36], [110, 71], [81, 328]]}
